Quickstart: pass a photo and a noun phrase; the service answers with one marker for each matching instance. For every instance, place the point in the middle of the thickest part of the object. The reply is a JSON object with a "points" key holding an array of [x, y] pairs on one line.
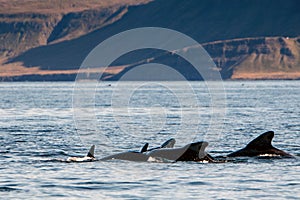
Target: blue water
{"points": [[38, 130]]}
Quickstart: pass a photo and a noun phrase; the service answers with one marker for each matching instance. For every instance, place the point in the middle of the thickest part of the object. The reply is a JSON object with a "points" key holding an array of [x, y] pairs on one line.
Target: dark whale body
{"points": [[190, 152], [262, 145], [139, 155]]}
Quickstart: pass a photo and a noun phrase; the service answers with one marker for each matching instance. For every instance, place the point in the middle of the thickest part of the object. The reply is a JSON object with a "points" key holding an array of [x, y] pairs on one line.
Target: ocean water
{"points": [[42, 124]]}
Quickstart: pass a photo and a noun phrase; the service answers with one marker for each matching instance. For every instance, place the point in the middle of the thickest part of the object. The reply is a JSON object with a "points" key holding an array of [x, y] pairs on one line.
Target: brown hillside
{"points": [[59, 6], [32, 23], [43, 37], [257, 58], [249, 58]]}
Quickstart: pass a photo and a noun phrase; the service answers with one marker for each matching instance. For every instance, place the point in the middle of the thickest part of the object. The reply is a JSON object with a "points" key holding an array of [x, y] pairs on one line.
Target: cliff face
{"points": [[257, 58], [73, 25], [20, 32], [54, 37], [247, 58], [32, 23]]}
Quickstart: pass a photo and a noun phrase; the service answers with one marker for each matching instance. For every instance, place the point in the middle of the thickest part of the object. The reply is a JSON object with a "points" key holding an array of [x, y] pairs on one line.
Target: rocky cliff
{"points": [[247, 58], [32, 23], [257, 58]]}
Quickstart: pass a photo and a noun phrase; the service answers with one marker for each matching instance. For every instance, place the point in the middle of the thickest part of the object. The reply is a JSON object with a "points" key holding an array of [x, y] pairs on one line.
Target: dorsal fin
{"points": [[91, 152], [169, 143], [262, 142], [194, 152], [199, 148], [260, 146], [144, 148]]}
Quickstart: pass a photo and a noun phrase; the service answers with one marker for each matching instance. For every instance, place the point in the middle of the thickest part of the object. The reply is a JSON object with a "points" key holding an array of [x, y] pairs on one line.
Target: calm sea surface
{"points": [[40, 128]]}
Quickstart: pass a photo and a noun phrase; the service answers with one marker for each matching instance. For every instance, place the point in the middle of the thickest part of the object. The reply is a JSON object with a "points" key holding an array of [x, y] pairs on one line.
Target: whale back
{"points": [[262, 145], [130, 156], [191, 152], [167, 144]]}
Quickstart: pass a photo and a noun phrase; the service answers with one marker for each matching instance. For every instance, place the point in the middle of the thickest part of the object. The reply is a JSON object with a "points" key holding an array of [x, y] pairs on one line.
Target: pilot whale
{"points": [[190, 152], [167, 144], [139, 155], [88, 158], [260, 146]]}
